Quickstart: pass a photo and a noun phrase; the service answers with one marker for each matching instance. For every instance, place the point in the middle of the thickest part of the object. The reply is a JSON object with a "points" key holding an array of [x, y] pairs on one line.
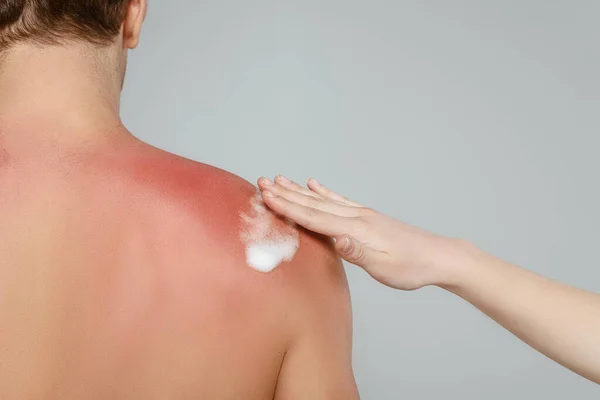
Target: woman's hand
{"points": [[394, 253], [560, 321]]}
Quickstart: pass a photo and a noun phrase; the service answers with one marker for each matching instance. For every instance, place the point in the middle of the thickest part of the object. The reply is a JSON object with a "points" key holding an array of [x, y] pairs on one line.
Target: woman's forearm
{"points": [[558, 320]]}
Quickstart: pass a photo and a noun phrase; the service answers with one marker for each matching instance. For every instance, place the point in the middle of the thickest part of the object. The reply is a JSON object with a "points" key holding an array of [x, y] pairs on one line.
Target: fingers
{"points": [[316, 202], [317, 187], [320, 210], [285, 182], [313, 219], [264, 184]]}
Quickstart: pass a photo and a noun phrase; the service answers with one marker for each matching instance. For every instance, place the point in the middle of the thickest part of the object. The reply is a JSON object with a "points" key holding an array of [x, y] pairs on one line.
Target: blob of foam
{"points": [[267, 247], [265, 257]]}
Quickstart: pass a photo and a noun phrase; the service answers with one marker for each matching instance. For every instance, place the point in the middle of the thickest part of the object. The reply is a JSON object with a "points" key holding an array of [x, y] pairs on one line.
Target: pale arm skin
{"points": [[560, 321]]}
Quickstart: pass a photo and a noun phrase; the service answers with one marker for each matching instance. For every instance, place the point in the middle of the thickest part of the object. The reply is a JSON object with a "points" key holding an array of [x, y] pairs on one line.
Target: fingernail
{"points": [[347, 244], [267, 182], [268, 194], [313, 181], [282, 178]]}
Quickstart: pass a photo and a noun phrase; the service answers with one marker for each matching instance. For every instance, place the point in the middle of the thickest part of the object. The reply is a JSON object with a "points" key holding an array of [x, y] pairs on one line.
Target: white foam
{"points": [[267, 247], [265, 257]]}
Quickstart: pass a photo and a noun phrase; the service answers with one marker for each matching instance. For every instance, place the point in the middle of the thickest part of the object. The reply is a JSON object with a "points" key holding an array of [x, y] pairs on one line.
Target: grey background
{"points": [[475, 119]]}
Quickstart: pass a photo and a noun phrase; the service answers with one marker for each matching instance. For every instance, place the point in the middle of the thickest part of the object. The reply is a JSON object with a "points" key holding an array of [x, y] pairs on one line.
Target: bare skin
{"points": [[560, 321], [122, 272]]}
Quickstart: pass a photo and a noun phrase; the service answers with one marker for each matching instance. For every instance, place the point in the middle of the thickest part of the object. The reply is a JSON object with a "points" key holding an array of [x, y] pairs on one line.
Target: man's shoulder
{"points": [[214, 206], [180, 178], [204, 224], [179, 190]]}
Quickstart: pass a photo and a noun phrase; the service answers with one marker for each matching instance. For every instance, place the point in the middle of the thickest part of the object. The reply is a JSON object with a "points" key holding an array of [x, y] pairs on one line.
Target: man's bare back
{"points": [[123, 270], [123, 276]]}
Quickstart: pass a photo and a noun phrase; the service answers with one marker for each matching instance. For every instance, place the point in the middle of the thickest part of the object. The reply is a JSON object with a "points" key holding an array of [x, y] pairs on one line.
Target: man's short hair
{"points": [[56, 21]]}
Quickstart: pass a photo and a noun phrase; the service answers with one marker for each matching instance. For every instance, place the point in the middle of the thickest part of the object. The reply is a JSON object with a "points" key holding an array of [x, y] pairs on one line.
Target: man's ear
{"points": [[134, 19]]}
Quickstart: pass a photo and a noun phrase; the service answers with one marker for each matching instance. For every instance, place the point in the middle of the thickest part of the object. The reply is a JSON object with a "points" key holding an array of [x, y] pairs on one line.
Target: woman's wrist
{"points": [[456, 263]]}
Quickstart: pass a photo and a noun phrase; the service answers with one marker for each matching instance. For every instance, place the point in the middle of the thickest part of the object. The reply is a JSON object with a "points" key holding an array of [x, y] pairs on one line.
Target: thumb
{"points": [[352, 251]]}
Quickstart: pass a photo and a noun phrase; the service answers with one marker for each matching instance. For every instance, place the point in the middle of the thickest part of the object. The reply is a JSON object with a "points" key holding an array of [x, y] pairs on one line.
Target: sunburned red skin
{"points": [[123, 276]]}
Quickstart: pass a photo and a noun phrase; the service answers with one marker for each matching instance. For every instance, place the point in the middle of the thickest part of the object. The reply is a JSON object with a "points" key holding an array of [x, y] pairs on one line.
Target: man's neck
{"points": [[56, 97]]}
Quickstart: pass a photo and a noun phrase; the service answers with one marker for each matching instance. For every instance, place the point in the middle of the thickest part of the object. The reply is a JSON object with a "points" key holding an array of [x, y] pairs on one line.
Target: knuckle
{"points": [[277, 189], [316, 202], [359, 254], [311, 214]]}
